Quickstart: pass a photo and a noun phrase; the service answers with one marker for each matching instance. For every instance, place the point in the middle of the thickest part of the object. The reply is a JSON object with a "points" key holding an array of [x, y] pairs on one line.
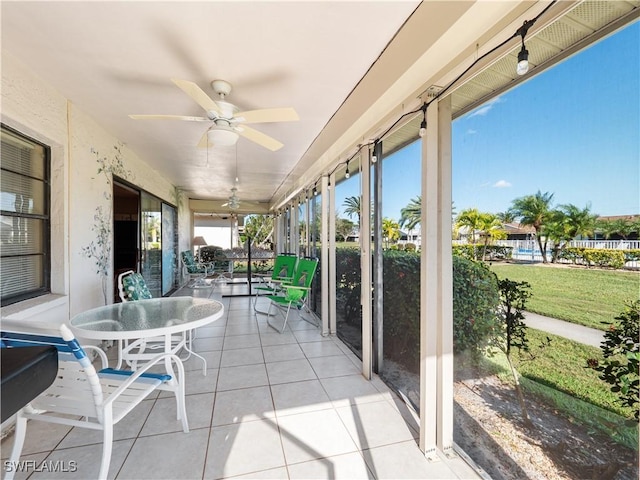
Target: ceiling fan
{"points": [[228, 120], [233, 202]]}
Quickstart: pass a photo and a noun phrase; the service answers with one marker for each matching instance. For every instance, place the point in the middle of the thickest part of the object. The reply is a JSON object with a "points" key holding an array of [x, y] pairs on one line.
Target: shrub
{"points": [[621, 352], [410, 247], [475, 302], [598, 257], [474, 251], [603, 258]]}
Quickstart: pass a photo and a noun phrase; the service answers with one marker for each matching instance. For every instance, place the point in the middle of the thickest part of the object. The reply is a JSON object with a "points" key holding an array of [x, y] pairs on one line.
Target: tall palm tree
{"points": [[506, 217], [411, 214], [491, 229], [352, 207], [566, 223], [534, 211]]}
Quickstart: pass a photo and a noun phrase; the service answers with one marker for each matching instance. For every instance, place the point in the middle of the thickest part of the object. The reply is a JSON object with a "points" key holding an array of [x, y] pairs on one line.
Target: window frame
{"points": [[45, 288]]}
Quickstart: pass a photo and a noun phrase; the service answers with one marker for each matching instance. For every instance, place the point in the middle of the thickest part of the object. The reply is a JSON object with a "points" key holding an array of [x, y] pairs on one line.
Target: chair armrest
{"points": [[127, 383], [100, 352], [296, 287]]}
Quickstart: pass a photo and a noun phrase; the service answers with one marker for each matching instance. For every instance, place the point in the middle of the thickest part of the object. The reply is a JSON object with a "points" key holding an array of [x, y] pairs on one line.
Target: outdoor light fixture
{"points": [[315, 189], [523, 56], [328, 183], [523, 61], [423, 124], [347, 174]]}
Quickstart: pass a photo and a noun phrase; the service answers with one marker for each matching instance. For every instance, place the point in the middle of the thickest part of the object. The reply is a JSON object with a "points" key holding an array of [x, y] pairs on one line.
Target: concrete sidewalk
{"points": [[572, 331]]}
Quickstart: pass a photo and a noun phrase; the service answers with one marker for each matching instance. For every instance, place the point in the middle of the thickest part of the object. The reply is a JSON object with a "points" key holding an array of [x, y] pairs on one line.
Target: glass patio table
{"points": [[166, 318]]}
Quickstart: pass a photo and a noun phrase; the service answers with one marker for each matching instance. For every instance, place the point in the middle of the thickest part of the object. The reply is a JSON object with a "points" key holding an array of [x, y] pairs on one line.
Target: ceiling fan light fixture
{"points": [[222, 135]]}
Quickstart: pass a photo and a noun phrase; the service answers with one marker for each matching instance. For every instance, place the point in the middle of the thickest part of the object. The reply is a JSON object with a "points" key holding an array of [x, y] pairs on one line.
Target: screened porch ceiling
{"points": [[349, 69]]}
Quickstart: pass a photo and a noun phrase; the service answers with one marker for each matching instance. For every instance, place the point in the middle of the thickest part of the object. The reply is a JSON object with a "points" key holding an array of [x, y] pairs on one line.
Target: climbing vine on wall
{"points": [[100, 248]]}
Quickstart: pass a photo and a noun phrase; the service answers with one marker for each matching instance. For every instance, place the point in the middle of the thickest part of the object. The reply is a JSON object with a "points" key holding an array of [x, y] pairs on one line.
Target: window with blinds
{"points": [[24, 217]]}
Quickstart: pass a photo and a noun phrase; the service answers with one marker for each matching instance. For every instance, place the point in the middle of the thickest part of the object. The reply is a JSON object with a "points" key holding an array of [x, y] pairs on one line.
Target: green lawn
{"points": [[579, 295]]}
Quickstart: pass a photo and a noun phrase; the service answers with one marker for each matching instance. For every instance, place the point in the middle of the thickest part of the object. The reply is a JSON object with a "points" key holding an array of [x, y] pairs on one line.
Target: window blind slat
{"points": [[24, 242]]}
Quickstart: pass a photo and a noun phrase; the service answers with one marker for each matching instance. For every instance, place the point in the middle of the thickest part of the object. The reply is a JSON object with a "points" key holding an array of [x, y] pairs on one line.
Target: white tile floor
{"points": [[272, 406]]}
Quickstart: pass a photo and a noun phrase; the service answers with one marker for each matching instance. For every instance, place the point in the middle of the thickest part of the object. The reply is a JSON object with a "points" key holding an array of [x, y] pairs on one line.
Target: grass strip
{"points": [[579, 295]]}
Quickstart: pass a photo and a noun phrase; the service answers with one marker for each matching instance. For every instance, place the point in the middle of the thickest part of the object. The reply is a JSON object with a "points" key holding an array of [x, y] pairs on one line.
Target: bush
{"points": [[474, 251], [475, 301], [621, 352], [598, 257]]}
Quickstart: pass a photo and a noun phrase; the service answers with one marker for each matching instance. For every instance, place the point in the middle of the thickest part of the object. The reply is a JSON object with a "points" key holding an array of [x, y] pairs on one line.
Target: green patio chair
{"points": [[294, 295], [194, 269], [284, 267]]}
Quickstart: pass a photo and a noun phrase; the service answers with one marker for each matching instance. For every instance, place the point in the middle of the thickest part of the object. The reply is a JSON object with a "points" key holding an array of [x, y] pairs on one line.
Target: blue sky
{"points": [[573, 131]]}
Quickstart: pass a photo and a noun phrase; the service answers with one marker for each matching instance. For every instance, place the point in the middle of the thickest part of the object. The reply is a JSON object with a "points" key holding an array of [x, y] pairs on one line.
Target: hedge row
{"points": [[598, 257], [475, 251], [475, 299]]}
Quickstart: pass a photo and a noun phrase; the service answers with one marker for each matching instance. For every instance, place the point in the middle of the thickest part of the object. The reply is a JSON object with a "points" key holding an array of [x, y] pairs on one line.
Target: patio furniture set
{"points": [[149, 332]]}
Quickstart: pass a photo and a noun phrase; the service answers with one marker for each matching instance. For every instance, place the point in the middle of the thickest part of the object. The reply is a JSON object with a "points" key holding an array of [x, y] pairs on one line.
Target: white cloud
{"points": [[501, 184], [486, 108], [471, 131]]}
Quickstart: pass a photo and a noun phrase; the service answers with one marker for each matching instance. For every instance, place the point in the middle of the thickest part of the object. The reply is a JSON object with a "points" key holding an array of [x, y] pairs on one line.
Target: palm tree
{"points": [[624, 227], [352, 207], [469, 218], [534, 211], [390, 230], [506, 217], [411, 214], [566, 223], [491, 229]]}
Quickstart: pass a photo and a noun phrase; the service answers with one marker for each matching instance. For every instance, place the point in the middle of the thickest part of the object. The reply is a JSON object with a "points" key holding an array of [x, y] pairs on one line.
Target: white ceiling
{"points": [[349, 69], [112, 59]]}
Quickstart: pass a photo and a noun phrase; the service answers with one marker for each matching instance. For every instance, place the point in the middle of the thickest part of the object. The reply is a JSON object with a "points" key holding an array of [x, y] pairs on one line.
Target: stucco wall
{"points": [[80, 193]]}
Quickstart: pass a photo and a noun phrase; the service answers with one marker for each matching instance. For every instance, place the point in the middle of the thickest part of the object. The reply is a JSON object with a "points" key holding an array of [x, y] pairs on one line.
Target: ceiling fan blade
{"points": [[169, 117], [197, 94], [204, 140], [260, 138], [268, 115]]}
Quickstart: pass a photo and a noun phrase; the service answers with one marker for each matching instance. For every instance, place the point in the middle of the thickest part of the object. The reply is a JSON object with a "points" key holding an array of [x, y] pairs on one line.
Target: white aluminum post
{"points": [[429, 287], [445, 346], [332, 256], [307, 220], [279, 246], [436, 289], [293, 247], [295, 227], [324, 255], [365, 260]]}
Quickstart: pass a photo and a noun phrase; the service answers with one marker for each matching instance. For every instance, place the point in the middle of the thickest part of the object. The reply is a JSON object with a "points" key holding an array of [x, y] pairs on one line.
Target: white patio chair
{"points": [[100, 398]]}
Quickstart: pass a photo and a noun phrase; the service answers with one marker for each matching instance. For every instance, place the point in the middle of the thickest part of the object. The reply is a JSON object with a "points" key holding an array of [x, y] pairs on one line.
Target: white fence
{"points": [[529, 250]]}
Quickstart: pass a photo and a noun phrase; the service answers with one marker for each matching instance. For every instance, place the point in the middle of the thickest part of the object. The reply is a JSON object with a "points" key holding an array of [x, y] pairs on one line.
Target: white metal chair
{"points": [[100, 398]]}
